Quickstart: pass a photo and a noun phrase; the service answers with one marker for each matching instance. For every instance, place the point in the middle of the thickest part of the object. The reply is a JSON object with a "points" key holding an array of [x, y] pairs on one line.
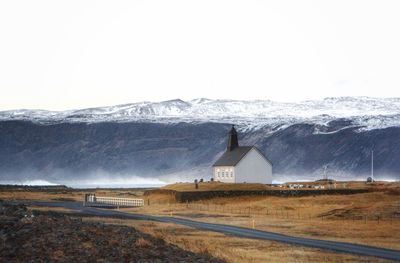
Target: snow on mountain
{"points": [[371, 113]]}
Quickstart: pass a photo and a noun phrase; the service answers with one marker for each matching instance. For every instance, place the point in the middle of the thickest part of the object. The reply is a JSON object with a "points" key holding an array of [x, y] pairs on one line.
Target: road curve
{"points": [[234, 230]]}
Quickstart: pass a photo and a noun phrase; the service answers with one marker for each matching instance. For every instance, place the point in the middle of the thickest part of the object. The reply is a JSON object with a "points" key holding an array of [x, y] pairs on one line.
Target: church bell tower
{"points": [[232, 139]]}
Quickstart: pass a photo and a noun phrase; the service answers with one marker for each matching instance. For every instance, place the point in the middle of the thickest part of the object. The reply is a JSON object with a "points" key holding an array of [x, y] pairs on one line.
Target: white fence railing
{"points": [[93, 200]]}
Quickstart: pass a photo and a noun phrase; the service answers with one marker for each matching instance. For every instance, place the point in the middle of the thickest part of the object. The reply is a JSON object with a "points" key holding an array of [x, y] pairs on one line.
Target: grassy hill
{"points": [[216, 186]]}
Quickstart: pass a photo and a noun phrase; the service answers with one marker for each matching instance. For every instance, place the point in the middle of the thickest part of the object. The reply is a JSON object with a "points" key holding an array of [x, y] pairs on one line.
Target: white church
{"points": [[242, 164]]}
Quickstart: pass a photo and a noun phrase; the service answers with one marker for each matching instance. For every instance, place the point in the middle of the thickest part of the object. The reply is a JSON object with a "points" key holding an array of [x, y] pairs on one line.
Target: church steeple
{"points": [[232, 139]]}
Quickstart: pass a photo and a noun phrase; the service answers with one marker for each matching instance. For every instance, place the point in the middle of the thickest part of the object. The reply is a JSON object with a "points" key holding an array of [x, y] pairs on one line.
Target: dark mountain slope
{"points": [[69, 151]]}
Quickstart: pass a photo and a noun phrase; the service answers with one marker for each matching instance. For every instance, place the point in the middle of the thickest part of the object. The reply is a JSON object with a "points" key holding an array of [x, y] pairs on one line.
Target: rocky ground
{"points": [[26, 237]]}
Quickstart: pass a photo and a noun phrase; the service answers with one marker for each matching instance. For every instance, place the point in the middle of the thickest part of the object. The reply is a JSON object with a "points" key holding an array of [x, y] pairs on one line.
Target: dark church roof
{"points": [[234, 153], [231, 158]]}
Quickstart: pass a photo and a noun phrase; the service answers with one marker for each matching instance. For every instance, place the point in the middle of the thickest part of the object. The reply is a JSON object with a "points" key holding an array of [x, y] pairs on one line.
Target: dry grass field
{"points": [[371, 218], [234, 249], [215, 186], [42, 195], [66, 195]]}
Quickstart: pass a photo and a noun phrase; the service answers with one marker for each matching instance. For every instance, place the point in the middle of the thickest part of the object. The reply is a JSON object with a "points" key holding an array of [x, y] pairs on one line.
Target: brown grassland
{"points": [[371, 218], [235, 249], [66, 195]]}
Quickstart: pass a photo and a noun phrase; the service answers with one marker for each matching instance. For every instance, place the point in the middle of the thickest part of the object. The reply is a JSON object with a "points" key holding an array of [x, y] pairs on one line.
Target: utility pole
{"points": [[325, 174], [372, 165]]}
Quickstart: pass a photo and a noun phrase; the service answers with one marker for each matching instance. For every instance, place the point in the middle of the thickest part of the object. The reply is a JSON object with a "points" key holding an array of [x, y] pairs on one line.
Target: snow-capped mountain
{"points": [[370, 113]]}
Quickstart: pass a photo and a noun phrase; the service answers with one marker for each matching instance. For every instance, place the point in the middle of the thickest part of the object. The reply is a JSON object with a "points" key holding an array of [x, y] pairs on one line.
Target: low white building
{"points": [[242, 164]]}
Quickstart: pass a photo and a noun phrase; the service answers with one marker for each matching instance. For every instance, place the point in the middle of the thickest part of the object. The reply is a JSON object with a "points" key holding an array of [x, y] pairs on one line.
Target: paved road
{"points": [[236, 231]]}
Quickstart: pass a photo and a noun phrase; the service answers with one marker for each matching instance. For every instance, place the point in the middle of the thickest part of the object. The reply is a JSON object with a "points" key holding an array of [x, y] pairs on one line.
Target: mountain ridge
{"points": [[366, 112]]}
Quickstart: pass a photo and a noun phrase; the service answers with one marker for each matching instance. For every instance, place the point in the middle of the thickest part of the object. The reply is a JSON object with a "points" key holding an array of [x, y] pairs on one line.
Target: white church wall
{"points": [[253, 168], [224, 174]]}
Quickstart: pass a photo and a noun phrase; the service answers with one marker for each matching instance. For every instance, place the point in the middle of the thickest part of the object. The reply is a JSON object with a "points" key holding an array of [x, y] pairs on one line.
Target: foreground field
{"points": [[229, 249], [371, 218], [54, 237], [234, 249]]}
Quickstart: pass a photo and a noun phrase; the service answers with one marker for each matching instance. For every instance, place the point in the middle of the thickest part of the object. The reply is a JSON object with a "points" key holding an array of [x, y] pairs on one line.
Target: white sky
{"points": [[75, 54]]}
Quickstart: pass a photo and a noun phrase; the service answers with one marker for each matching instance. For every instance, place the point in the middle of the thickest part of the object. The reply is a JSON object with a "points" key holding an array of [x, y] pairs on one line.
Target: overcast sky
{"points": [[74, 54]]}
